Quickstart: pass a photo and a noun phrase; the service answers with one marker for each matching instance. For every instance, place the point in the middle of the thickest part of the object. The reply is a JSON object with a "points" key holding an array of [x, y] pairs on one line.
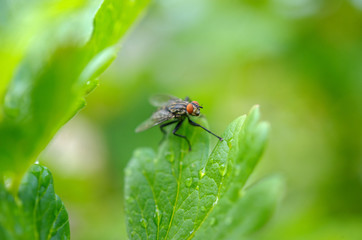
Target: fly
{"points": [[173, 110]]}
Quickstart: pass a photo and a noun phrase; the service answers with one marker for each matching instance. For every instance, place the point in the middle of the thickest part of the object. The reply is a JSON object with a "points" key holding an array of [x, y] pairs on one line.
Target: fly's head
{"points": [[193, 108]]}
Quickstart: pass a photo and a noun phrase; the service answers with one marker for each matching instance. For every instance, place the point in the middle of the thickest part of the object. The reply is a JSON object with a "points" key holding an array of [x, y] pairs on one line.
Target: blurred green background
{"points": [[301, 60]]}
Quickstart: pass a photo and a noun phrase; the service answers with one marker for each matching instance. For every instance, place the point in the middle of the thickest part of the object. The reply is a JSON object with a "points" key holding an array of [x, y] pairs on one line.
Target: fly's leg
{"points": [[163, 130], [184, 137], [198, 125]]}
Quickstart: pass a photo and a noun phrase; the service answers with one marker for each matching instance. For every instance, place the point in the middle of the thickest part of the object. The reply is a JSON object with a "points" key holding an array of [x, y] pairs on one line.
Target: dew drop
{"points": [[143, 222], [212, 221], [158, 212], [157, 216], [191, 231], [202, 173], [216, 201], [188, 182], [223, 169], [197, 187]]}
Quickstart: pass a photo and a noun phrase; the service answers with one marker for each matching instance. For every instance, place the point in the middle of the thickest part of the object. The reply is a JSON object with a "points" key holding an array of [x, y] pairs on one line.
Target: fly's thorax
{"points": [[177, 108]]}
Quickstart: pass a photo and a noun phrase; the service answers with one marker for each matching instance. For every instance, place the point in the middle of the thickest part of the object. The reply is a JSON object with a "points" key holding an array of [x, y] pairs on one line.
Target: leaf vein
{"points": [[178, 187]]}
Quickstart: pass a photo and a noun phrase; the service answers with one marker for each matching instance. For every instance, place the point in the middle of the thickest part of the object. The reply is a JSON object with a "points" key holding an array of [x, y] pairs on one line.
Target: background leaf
{"points": [[178, 194], [38, 213], [50, 83]]}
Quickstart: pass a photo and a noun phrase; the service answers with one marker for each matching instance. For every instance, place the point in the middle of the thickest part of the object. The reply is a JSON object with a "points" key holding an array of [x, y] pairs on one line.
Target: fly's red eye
{"points": [[196, 103], [190, 108]]}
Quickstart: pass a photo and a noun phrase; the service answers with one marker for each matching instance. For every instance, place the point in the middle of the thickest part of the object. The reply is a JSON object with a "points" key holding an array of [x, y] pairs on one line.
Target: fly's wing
{"points": [[158, 117], [160, 100]]}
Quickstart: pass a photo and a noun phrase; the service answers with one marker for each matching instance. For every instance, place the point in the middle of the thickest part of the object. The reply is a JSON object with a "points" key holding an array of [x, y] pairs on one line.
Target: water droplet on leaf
{"points": [[212, 221], [143, 222], [216, 201], [157, 216], [202, 173], [223, 169], [188, 182]]}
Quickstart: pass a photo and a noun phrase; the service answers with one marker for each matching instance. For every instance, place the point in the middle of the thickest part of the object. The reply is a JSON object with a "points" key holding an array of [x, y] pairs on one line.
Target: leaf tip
{"points": [[255, 111]]}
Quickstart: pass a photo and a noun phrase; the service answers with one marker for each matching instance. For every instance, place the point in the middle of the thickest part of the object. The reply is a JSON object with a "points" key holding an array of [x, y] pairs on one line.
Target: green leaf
{"points": [[38, 213], [176, 194], [253, 208], [52, 80]]}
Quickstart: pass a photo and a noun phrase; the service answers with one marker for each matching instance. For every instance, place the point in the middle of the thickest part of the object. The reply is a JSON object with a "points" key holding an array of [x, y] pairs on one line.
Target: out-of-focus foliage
{"points": [[177, 194], [55, 71], [37, 213]]}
